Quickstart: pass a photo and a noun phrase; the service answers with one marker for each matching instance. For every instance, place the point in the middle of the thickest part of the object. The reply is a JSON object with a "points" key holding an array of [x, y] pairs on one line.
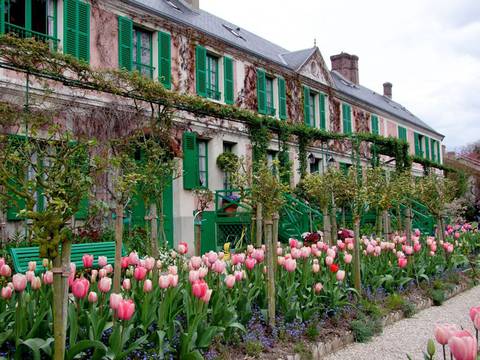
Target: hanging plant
{"points": [[227, 162]]}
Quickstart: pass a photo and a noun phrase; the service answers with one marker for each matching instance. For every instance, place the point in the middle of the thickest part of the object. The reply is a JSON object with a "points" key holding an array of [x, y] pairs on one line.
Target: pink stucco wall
{"points": [[103, 39]]}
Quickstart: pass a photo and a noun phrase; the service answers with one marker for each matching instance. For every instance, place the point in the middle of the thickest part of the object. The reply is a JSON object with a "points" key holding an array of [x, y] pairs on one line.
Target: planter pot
{"points": [[230, 209]]}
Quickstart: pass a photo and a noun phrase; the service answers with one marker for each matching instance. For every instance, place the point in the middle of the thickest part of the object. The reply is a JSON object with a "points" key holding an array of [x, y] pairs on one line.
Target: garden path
{"points": [[410, 336]]}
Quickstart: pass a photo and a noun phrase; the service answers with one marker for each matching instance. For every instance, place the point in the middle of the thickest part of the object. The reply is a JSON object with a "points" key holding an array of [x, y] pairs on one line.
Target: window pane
{"points": [[212, 76], [312, 109], [269, 89], [142, 48], [16, 12], [39, 16]]}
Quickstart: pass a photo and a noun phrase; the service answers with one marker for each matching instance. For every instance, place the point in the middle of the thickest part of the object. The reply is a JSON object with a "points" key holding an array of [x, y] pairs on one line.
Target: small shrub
{"points": [[302, 350], [253, 348], [364, 328], [409, 309], [453, 278], [438, 285], [312, 331], [437, 296], [370, 308], [395, 302]]}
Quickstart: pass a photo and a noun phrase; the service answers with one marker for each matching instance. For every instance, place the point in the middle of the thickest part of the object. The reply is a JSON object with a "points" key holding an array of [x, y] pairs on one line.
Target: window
{"points": [[202, 163], [269, 96], [374, 124], [314, 165], [142, 52], [272, 156], [227, 148], [309, 106], [402, 133], [344, 167], [418, 138], [31, 18], [212, 77], [347, 118]]}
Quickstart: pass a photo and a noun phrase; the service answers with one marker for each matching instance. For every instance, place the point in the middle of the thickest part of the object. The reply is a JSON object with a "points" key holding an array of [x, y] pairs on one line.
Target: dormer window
{"points": [[234, 32]]}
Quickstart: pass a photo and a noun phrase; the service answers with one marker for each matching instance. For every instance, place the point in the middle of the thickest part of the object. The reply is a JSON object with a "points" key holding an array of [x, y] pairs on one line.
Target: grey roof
{"points": [[178, 11], [379, 101], [296, 59]]}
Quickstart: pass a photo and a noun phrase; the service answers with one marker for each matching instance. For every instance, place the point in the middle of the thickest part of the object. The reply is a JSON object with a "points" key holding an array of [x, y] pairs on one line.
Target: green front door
{"points": [[139, 210]]}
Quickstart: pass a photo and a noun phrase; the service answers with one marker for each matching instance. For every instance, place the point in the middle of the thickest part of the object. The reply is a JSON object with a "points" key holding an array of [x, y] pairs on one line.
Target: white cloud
{"points": [[428, 49]]}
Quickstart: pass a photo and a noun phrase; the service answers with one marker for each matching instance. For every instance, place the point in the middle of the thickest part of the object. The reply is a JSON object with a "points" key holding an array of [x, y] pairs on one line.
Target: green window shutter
{"points": [[282, 98], [70, 21], [306, 106], [427, 148], [439, 159], [190, 161], [82, 212], [347, 118], [418, 150], [2, 18], [83, 31], [40, 193], [16, 204], [402, 133], [375, 129], [228, 79], [323, 112], [125, 43], [164, 59], [201, 70], [261, 91]]}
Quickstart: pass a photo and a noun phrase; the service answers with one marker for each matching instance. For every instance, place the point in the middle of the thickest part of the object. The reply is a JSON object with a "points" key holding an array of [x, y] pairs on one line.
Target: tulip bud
{"points": [[127, 285], [431, 348], [32, 265], [147, 286], [36, 283], [45, 263], [92, 297], [7, 292]]}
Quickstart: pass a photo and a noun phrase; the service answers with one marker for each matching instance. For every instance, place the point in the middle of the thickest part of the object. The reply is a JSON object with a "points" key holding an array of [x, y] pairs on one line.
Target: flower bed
{"points": [[195, 307]]}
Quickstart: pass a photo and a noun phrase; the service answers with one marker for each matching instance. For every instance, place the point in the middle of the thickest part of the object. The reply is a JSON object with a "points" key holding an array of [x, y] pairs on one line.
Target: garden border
{"points": [[321, 349]]}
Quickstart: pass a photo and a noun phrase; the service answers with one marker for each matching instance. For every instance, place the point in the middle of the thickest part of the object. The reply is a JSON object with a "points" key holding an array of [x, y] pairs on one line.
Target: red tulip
{"points": [[80, 288], [125, 309], [463, 346], [19, 282], [139, 273], [87, 261], [402, 262], [334, 268]]}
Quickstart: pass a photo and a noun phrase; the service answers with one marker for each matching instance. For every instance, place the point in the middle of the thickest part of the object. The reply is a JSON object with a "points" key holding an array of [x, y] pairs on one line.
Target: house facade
{"points": [[193, 52]]}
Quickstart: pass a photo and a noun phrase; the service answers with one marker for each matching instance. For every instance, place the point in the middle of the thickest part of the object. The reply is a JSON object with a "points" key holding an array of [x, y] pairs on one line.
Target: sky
{"points": [[428, 49]]}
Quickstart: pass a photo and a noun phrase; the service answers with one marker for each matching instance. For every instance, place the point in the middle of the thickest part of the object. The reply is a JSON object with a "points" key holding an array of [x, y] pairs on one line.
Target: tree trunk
{"points": [[118, 247], [440, 229], [356, 256], [61, 264], [259, 225], [334, 228], [163, 235], [327, 227], [270, 272], [379, 223], [386, 225], [276, 219], [153, 230]]}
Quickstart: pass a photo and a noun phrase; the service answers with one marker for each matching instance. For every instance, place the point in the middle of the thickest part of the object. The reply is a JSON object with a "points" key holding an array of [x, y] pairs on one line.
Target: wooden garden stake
{"points": [[270, 271], [118, 247]]}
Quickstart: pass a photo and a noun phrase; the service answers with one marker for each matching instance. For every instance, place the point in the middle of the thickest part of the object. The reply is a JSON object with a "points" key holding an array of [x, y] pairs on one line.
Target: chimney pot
{"points": [[346, 65], [387, 89], [194, 4]]}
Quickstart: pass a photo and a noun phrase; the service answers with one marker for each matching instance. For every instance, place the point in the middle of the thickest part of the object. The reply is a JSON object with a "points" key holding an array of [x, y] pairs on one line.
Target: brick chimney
{"points": [[346, 65], [194, 4], [387, 89]]}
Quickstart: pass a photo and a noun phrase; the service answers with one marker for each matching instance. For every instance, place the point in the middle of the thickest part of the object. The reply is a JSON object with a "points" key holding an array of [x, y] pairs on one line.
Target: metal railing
{"points": [[25, 33], [228, 197]]}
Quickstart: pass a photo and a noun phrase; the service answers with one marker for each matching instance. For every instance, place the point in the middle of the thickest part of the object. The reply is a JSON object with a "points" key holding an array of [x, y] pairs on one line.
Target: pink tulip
{"points": [[93, 276], [348, 258], [444, 332], [474, 311], [238, 259], [238, 275], [290, 265], [402, 262], [315, 268], [173, 270], [147, 286], [102, 273], [340, 275], [125, 262], [195, 262], [259, 255], [202, 272], [450, 248], [250, 263], [293, 243], [305, 252], [230, 281], [463, 346], [30, 275], [2, 261], [281, 260], [80, 288], [279, 251], [105, 284], [7, 292], [370, 248], [417, 247], [133, 258], [102, 261], [295, 253], [182, 248], [36, 283], [207, 296], [126, 284], [163, 281], [219, 266], [139, 273], [115, 300], [172, 280], [19, 282], [199, 288], [329, 260], [5, 270], [149, 263], [457, 235], [408, 250], [92, 297], [331, 253], [87, 261], [193, 276], [212, 257], [32, 265], [125, 309], [317, 288], [476, 322]]}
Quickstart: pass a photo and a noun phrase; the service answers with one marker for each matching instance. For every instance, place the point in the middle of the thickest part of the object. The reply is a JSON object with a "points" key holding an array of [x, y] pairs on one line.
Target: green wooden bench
{"points": [[22, 256]]}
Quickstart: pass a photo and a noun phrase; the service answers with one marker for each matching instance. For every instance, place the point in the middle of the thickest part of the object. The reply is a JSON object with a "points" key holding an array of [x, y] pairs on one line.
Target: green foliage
{"points": [[253, 348], [301, 349], [409, 309], [365, 327], [435, 193], [370, 308], [394, 302], [437, 296], [312, 331], [228, 162]]}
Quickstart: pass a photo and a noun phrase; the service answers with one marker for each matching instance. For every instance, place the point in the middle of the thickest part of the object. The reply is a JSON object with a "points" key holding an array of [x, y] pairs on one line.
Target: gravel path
{"points": [[410, 336]]}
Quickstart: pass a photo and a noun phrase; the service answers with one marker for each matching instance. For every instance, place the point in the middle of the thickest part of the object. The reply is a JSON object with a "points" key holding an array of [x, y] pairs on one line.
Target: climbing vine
{"points": [[285, 165]]}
